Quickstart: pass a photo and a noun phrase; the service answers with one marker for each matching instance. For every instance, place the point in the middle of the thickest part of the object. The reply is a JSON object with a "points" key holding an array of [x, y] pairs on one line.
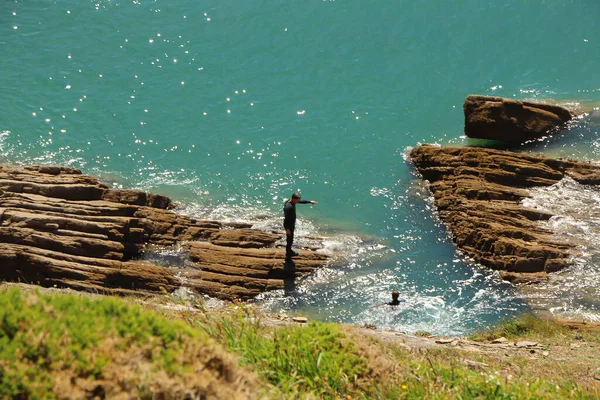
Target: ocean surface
{"points": [[229, 106]]}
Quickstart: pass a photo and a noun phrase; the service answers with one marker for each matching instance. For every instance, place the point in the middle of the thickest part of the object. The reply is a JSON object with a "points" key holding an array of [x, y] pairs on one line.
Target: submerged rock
{"points": [[59, 227], [509, 120], [478, 193]]}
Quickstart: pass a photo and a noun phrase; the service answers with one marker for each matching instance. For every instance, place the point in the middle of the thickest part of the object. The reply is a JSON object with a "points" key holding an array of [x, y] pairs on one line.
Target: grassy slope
{"points": [[71, 346], [335, 361], [67, 346]]}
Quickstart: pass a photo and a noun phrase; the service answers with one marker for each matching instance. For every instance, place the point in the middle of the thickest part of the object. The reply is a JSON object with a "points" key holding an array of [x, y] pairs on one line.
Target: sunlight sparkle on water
{"points": [[201, 139]]}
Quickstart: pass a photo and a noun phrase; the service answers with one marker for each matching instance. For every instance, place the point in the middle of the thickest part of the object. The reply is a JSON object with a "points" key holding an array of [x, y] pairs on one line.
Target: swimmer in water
{"points": [[395, 300]]}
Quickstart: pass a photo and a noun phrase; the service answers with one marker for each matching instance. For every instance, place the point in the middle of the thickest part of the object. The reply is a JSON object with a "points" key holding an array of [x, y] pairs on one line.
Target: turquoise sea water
{"points": [[229, 106]]}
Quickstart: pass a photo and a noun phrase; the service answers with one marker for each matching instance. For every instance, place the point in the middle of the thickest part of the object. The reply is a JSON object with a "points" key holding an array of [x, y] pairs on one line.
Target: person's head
{"points": [[295, 197], [395, 294]]}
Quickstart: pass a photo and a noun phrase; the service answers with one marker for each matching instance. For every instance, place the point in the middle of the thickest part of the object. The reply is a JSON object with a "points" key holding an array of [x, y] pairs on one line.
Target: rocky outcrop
{"points": [[59, 227], [228, 272], [509, 120], [478, 194]]}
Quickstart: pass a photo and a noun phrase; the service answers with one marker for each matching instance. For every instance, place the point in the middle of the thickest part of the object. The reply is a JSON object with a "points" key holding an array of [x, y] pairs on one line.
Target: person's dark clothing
{"points": [[289, 223], [289, 213], [289, 240], [395, 302]]}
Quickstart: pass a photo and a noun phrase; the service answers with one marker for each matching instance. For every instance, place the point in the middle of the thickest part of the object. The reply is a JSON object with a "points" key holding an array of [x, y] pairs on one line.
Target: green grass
{"points": [[41, 334], [522, 327], [315, 360], [441, 374], [322, 361]]}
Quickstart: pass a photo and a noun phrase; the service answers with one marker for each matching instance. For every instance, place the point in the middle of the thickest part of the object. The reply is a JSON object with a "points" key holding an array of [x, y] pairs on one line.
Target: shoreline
{"points": [[61, 227], [479, 193], [276, 276]]}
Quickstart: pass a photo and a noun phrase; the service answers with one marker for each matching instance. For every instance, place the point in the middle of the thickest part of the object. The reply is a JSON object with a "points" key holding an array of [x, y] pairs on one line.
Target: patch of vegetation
{"points": [[49, 341], [43, 335], [328, 361], [524, 326], [447, 374], [316, 360]]}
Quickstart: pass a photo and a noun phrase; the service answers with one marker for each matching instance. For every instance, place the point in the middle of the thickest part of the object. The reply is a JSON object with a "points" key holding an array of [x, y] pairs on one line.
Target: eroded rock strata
{"points": [[510, 120], [478, 194], [61, 227]]}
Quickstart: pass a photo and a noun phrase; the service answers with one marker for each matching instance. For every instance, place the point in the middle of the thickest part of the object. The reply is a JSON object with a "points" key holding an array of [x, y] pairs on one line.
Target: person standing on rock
{"points": [[289, 221]]}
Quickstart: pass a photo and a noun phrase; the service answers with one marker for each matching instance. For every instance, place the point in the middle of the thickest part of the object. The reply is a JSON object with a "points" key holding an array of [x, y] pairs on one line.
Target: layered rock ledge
{"points": [[478, 194], [59, 227]]}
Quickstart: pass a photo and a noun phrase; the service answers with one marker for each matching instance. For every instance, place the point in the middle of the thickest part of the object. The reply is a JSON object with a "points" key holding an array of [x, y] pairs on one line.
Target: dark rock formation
{"points": [[510, 120], [60, 227], [478, 192]]}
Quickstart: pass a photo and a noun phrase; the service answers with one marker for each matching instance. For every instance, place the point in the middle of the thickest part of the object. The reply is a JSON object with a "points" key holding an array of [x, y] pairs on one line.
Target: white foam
{"points": [[575, 291]]}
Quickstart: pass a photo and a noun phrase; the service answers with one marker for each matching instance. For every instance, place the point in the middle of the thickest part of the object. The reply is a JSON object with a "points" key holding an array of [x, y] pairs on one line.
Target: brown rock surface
{"points": [[478, 194], [509, 120], [59, 227]]}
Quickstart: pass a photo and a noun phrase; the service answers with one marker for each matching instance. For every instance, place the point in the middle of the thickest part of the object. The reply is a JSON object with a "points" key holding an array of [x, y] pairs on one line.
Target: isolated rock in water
{"points": [[478, 193], [509, 120], [59, 227]]}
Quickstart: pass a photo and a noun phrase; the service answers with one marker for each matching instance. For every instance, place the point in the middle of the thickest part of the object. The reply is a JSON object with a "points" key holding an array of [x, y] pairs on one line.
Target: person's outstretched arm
{"points": [[307, 202]]}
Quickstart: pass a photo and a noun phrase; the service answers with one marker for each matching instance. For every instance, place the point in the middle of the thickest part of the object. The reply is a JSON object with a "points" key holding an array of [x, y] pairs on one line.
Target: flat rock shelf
{"points": [[478, 193], [59, 227]]}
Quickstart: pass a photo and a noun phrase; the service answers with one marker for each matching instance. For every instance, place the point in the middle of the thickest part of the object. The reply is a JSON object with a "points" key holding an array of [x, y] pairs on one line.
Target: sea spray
{"points": [[575, 291]]}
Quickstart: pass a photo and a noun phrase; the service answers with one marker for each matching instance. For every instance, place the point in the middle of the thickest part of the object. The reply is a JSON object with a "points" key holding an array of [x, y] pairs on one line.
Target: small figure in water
{"points": [[289, 221], [395, 300]]}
